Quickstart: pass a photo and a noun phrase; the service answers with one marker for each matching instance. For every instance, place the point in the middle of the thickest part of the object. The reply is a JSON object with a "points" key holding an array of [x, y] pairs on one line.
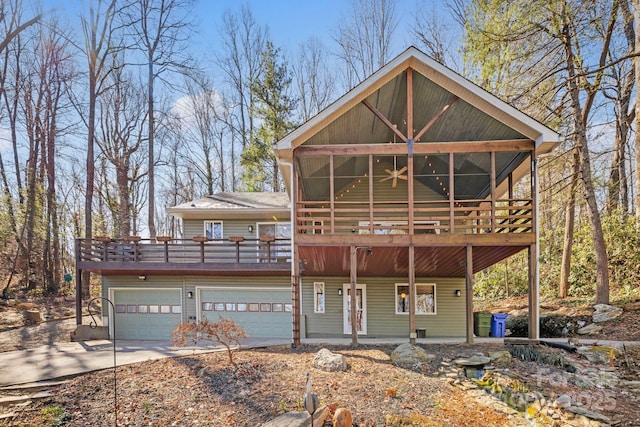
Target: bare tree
{"points": [[437, 35], [636, 66], [11, 45], [364, 38], [43, 91], [160, 30], [243, 40], [622, 77], [313, 79], [122, 122], [555, 37], [98, 27]]}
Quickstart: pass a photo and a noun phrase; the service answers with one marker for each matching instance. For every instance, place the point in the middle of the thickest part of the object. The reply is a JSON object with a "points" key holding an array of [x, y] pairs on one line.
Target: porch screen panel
{"points": [[314, 173], [351, 186], [472, 176], [315, 177]]}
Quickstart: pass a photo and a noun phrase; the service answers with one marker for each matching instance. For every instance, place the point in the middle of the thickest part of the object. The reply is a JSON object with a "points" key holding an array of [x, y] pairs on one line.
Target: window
{"points": [[317, 227], [213, 230], [318, 297], [276, 251], [425, 298]]}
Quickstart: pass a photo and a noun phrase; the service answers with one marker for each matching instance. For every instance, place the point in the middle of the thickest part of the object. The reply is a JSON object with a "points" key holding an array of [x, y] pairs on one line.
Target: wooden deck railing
{"points": [[430, 217], [234, 250]]}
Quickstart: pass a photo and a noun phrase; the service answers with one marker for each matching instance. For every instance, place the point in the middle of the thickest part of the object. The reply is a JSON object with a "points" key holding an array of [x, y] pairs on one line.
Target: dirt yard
{"points": [[208, 390]]}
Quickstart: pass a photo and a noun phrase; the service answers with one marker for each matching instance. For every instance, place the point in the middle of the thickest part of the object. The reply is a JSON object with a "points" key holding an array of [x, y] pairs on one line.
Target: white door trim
{"points": [[346, 315]]}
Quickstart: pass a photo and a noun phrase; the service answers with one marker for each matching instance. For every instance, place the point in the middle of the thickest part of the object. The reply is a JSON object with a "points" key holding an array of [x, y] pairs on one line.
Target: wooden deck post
{"points": [[412, 295], [534, 309], [295, 285], [469, 293], [78, 284], [353, 278], [534, 291]]}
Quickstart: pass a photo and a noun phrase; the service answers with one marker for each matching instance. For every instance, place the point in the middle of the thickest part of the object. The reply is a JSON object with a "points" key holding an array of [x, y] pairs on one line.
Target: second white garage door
{"points": [[262, 312]]}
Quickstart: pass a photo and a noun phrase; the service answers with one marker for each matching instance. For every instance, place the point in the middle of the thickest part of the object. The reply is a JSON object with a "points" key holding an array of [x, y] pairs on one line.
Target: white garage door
{"points": [[146, 314], [264, 313]]}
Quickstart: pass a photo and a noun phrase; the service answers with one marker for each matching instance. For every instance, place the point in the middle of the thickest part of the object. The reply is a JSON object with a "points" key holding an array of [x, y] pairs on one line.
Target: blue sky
{"points": [[292, 22]]}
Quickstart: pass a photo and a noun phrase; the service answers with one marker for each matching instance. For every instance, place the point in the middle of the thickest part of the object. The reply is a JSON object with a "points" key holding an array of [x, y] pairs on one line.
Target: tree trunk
{"points": [[636, 62], [579, 116], [569, 214], [152, 124]]}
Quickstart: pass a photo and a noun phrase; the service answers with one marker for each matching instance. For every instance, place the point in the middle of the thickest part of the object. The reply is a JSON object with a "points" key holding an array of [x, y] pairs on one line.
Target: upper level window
{"points": [[213, 230]]}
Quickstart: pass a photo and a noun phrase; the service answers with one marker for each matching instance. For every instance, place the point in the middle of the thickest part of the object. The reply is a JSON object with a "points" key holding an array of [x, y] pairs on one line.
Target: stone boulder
{"points": [[475, 361], [408, 355], [327, 361], [501, 356], [598, 353], [605, 312], [590, 329]]}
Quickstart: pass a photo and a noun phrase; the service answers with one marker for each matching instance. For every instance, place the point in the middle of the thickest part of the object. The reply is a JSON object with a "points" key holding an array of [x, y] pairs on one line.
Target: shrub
{"points": [[224, 331], [550, 326]]}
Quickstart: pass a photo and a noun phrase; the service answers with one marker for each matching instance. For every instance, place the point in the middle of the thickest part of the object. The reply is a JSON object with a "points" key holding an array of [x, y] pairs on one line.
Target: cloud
{"points": [[185, 107]]}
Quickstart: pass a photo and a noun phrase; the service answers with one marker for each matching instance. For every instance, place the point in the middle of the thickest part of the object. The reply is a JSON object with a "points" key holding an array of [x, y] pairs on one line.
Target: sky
{"points": [[291, 22]]}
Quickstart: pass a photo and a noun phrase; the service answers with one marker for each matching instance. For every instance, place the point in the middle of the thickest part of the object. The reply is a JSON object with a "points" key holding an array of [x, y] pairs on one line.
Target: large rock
{"points": [[605, 312], [299, 419], [598, 353], [501, 356], [327, 361], [590, 329], [408, 355], [475, 361]]}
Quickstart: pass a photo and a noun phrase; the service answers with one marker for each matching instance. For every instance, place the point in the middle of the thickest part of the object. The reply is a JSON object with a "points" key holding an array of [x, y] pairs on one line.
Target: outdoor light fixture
{"points": [[403, 295], [189, 294], [458, 293], [142, 277], [250, 228], [339, 291]]}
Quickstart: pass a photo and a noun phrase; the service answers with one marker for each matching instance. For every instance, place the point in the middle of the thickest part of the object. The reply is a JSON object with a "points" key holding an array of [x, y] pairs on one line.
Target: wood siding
{"points": [[382, 321]]}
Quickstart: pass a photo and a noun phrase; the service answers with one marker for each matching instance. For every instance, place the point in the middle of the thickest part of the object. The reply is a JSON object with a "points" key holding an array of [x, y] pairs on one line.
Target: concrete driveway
{"points": [[72, 358]]}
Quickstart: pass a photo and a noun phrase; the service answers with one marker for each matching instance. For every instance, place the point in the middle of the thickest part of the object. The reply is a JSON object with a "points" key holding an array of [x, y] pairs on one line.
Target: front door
{"points": [[361, 308]]}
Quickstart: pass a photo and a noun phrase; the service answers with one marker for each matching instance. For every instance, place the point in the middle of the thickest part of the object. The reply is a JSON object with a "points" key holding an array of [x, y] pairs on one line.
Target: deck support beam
{"points": [[534, 308], [469, 293], [412, 295], [353, 252]]}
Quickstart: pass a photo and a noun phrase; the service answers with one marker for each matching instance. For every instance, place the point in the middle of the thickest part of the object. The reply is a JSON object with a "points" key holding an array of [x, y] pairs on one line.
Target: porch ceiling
{"points": [[461, 122], [394, 261]]}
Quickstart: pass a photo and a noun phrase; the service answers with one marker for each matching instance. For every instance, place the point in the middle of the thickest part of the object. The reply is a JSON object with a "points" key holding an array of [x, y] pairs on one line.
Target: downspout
{"points": [[293, 253]]}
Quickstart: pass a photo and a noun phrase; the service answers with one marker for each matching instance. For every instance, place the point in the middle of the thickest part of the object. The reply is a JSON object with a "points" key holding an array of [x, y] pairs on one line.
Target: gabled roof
{"points": [[476, 116], [225, 204]]}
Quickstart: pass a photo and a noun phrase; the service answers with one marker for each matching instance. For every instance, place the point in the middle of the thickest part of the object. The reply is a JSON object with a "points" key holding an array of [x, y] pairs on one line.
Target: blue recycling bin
{"points": [[498, 324]]}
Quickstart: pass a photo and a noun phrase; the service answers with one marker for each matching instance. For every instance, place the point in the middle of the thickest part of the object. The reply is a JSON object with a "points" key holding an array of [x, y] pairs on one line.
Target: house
{"points": [[397, 194]]}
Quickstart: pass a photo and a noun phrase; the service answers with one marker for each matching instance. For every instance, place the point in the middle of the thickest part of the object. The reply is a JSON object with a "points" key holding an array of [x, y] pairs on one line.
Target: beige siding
{"points": [[382, 321]]}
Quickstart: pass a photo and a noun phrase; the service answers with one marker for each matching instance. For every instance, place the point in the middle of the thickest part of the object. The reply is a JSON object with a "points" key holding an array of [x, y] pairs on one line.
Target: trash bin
{"points": [[498, 324], [421, 333], [481, 324]]}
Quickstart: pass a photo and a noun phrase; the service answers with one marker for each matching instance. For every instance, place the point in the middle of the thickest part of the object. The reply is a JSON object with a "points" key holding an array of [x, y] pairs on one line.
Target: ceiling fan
{"points": [[395, 174]]}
